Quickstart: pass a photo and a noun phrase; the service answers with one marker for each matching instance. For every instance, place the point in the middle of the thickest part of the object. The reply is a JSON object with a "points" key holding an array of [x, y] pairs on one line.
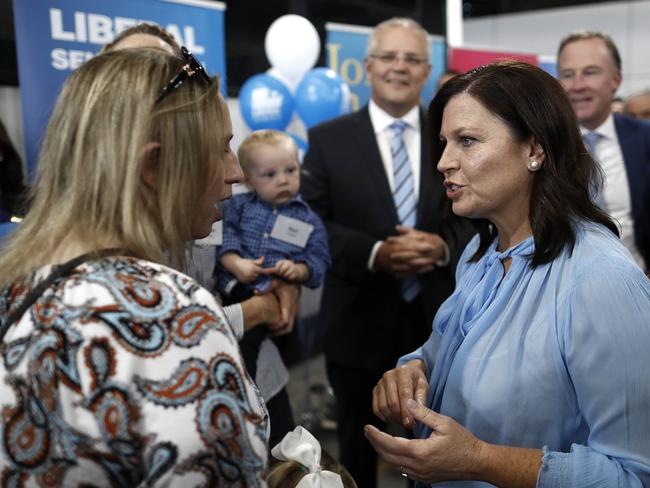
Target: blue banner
{"points": [[346, 49], [549, 64], [54, 37]]}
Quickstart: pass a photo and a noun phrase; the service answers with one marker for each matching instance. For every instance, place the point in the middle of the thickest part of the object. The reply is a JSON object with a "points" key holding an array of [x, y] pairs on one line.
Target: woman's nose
{"points": [[446, 161], [233, 170]]}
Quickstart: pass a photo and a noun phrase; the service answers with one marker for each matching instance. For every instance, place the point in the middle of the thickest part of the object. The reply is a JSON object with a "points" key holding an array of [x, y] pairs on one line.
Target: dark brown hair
{"points": [[148, 29], [533, 104]]}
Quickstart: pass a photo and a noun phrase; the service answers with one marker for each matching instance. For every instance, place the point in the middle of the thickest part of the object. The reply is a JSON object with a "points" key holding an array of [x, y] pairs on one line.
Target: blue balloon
{"points": [[265, 103], [321, 95]]}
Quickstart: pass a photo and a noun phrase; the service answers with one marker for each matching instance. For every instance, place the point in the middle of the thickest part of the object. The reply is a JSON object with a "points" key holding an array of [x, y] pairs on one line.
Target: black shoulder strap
{"points": [[57, 272]]}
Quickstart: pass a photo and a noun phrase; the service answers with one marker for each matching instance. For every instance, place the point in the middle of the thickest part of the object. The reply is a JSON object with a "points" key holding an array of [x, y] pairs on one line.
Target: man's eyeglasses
{"points": [[391, 58], [191, 68]]}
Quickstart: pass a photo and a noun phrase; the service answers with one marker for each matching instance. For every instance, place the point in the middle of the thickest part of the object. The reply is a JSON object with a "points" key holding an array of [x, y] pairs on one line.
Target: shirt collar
{"points": [[606, 130], [297, 200], [381, 120], [524, 248]]}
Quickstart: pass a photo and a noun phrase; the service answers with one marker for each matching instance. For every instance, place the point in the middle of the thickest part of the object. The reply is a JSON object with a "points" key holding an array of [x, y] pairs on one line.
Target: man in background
{"points": [[589, 69], [618, 105], [370, 177], [638, 105]]}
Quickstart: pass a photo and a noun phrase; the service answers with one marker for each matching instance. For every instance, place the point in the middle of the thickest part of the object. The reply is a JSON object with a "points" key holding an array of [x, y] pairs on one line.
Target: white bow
{"points": [[302, 447]]}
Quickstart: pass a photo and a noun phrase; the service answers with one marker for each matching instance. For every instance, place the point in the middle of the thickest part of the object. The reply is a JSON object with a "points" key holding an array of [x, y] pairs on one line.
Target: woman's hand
{"points": [[395, 388], [261, 309], [277, 308], [451, 452], [288, 296]]}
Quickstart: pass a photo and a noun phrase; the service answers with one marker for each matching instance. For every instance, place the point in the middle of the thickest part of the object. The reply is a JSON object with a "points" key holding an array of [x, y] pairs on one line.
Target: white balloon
{"points": [[292, 46]]}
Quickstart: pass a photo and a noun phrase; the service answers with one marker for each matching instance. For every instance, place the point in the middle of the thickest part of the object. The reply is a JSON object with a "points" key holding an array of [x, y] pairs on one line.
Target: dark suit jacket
{"points": [[634, 139], [345, 182]]}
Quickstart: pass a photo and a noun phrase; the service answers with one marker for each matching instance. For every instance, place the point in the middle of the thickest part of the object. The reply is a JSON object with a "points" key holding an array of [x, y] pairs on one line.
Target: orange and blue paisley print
{"points": [[126, 373], [186, 385]]}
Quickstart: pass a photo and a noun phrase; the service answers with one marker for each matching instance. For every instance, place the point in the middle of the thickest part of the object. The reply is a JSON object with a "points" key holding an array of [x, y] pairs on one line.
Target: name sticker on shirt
{"points": [[291, 230]]}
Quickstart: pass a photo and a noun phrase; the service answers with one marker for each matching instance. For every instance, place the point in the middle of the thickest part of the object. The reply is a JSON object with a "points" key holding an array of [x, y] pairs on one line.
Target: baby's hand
{"points": [[290, 271], [247, 270]]}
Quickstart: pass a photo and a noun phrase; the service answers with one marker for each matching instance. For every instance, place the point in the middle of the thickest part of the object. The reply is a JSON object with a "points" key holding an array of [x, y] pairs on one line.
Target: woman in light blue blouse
{"points": [[537, 371]]}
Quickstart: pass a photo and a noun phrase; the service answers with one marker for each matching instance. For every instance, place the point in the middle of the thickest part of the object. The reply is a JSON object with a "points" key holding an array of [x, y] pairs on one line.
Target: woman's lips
{"points": [[453, 189]]}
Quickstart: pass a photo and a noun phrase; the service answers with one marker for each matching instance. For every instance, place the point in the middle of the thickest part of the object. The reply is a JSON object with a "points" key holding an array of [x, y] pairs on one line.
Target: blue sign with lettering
{"points": [[346, 50], [54, 37]]}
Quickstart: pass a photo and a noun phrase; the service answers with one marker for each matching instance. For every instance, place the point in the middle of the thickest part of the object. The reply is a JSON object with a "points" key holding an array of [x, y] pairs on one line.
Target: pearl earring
{"points": [[534, 165]]}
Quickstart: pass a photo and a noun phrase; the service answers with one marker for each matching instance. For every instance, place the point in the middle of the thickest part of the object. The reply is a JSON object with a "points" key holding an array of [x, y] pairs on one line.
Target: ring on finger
{"points": [[401, 471]]}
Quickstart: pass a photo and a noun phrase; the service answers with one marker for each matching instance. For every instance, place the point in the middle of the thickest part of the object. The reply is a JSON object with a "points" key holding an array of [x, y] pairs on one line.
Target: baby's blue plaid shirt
{"points": [[247, 224]]}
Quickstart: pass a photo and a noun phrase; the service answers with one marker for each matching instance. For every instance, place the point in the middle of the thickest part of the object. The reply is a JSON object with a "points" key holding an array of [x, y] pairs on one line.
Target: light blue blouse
{"points": [[556, 357]]}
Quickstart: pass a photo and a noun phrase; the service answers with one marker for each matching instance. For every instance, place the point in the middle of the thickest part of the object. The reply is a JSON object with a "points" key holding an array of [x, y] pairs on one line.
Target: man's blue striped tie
{"points": [[404, 196], [591, 139]]}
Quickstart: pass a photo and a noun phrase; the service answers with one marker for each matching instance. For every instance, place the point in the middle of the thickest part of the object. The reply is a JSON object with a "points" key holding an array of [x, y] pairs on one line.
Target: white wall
{"points": [[539, 32]]}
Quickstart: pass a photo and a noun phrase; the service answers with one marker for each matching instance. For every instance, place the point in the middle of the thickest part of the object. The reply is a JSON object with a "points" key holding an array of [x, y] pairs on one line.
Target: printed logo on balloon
{"points": [[265, 103]]}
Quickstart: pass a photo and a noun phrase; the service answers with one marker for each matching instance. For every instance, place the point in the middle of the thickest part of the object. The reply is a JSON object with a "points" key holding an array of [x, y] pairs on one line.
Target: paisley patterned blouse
{"points": [[126, 373]]}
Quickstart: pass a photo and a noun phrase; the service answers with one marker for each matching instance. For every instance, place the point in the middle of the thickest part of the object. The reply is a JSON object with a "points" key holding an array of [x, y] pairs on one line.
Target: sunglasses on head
{"points": [[191, 68]]}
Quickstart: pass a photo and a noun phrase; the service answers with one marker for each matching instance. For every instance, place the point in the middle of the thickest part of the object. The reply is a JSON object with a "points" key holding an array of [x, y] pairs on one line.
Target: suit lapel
{"points": [[426, 181], [367, 143], [632, 145]]}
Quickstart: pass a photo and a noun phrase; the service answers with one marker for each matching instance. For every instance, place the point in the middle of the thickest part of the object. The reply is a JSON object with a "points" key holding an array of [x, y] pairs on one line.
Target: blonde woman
{"points": [[115, 368], [275, 311]]}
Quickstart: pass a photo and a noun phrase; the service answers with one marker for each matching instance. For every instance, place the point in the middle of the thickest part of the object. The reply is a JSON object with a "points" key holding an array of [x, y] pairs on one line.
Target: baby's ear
{"points": [[247, 182]]}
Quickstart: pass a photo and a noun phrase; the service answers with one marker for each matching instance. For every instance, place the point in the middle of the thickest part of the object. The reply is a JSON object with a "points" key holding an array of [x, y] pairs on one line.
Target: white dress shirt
{"points": [[381, 122], [616, 188]]}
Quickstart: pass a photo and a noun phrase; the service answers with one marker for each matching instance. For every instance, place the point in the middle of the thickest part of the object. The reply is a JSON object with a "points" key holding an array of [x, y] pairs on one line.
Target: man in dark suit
{"points": [[370, 178], [589, 69]]}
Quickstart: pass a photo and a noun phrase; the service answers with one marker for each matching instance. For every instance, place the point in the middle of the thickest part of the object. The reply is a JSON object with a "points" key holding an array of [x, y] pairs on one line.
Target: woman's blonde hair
{"points": [[89, 187], [287, 474]]}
